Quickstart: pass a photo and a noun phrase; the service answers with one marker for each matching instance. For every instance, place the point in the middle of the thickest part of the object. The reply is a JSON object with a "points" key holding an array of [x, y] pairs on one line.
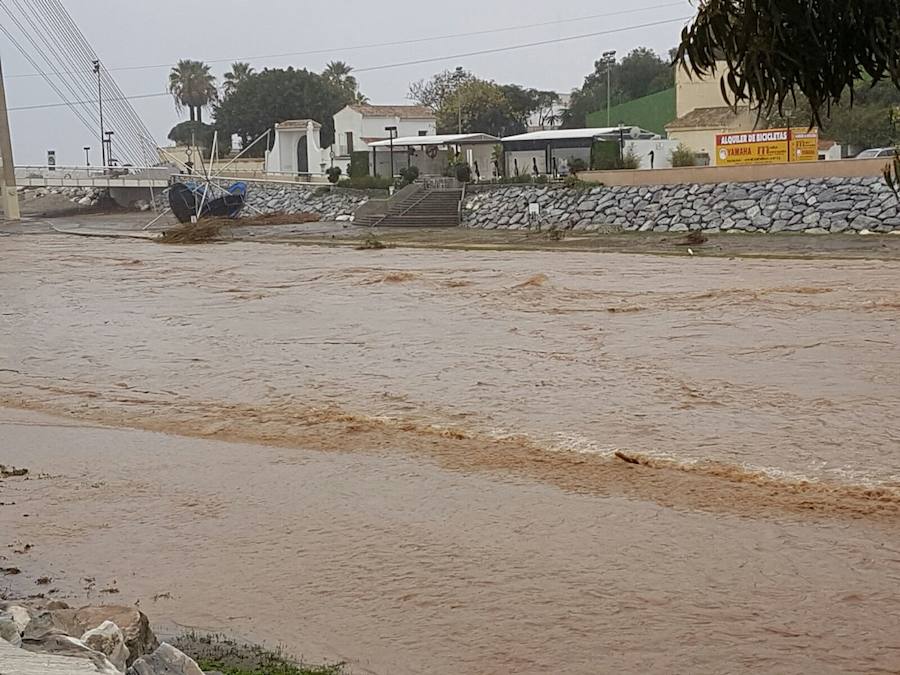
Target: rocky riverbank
{"points": [[332, 204], [814, 206], [86, 196], [47, 637]]}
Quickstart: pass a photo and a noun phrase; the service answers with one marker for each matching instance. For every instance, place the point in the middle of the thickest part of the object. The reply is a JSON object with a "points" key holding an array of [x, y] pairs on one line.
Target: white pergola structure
{"points": [[431, 153], [539, 152]]}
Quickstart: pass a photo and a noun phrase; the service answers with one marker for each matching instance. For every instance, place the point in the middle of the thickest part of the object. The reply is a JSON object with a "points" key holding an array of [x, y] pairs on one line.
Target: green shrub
{"points": [[463, 173], [202, 136], [604, 155], [334, 174], [408, 176], [359, 164], [683, 156]]}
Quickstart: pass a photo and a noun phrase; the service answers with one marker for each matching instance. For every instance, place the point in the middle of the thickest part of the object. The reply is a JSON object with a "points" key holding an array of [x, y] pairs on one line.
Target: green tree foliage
{"points": [[435, 91], [239, 72], [193, 86], [338, 74], [200, 135], [872, 120], [487, 107], [483, 107], [640, 73], [525, 102], [276, 95], [778, 49]]}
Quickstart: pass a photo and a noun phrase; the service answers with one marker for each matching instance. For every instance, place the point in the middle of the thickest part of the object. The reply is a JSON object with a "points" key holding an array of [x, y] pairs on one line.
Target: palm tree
{"points": [[193, 86], [240, 71], [338, 74]]}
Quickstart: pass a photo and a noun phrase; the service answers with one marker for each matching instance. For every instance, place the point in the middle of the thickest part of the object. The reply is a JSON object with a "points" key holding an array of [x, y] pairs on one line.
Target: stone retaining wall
{"points": [[330, 203], [816, 206]]}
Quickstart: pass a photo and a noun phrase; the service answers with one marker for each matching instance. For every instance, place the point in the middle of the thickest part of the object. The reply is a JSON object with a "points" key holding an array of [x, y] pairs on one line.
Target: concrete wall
{"points": [[735, 174], [662, 152]]}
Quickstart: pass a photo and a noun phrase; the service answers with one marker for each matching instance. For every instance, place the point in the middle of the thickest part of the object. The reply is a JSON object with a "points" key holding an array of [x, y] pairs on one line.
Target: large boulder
{"points": [[15, 661], [135, 626], [13, 620], [166, 660], [108, 639], [47, 622], [9, 630], [64, 645]]}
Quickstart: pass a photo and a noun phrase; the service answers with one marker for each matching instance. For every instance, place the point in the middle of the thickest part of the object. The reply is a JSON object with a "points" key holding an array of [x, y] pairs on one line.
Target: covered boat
{"points": [[189, 199]]}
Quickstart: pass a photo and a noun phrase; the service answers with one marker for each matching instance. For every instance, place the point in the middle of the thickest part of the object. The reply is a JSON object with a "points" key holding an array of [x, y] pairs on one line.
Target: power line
{"points": [[133, 125], [387, 66], [78, 113], [64, 48], [43, 106], [394, 43], [525, 45]]}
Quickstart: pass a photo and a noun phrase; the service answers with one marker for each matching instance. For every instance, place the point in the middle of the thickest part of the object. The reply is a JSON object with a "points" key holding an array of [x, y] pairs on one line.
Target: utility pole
{"points": [[9, 197], [100, 103]]}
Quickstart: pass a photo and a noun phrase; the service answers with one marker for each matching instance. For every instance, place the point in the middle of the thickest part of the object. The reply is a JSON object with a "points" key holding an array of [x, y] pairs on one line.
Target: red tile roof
{"points": [[417, 112]]}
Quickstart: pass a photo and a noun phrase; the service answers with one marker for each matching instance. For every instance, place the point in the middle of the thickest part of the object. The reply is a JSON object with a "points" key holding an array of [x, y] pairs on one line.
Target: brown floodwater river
{"points": [[406, 458]]}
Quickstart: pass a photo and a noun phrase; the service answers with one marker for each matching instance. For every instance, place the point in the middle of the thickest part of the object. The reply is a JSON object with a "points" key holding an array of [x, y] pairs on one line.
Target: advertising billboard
{"points": [[769, 146]]}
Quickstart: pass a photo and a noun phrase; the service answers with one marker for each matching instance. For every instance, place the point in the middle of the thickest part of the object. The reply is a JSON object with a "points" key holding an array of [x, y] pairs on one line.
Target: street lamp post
{"points": [[87, 155], [100, 105], [109, 154], [392, 130], [609, 58]]}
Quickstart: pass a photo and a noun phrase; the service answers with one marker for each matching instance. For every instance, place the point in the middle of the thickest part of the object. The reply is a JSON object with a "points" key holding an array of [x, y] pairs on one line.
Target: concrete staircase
{"points": [[422, 208]]}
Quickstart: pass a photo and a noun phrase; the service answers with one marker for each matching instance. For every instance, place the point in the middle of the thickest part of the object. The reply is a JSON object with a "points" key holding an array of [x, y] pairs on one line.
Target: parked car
{"points": [[872, 153]]}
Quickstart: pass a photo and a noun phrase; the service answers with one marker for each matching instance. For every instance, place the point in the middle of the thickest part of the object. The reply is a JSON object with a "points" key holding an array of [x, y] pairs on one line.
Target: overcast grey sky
{"points": [[137, 32]]}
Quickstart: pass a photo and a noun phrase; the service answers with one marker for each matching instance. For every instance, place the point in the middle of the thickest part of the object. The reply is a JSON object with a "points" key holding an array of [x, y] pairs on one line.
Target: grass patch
{"points": [[216, 652]]}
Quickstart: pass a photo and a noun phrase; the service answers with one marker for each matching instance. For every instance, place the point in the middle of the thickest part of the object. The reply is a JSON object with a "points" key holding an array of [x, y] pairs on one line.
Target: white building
{"points": [[297, 147], [356, 126]]}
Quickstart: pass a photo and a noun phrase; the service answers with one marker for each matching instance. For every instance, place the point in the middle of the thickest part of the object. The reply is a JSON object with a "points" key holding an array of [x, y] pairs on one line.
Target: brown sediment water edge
{"points": [[702, 485]]}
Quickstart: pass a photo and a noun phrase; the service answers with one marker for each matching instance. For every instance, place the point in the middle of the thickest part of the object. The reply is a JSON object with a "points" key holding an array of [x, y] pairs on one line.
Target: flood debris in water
{"points": [[208, 229]]}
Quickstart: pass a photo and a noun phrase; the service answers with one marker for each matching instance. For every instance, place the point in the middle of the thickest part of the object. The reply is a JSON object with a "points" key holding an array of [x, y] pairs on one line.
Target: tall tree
{"points": [[481, 107], [239, 73], [434, 91], [640, 73], [338, 73], [193, 86], [276, 95], [777, 49]]}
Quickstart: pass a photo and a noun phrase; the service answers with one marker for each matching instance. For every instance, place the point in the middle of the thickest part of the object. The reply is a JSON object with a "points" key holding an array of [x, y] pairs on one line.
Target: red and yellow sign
{"points": [[770, 146]]}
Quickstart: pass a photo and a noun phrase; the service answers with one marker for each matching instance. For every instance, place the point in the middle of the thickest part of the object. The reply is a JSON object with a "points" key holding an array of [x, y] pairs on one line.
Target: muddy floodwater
{"points": [[406, 459]]}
